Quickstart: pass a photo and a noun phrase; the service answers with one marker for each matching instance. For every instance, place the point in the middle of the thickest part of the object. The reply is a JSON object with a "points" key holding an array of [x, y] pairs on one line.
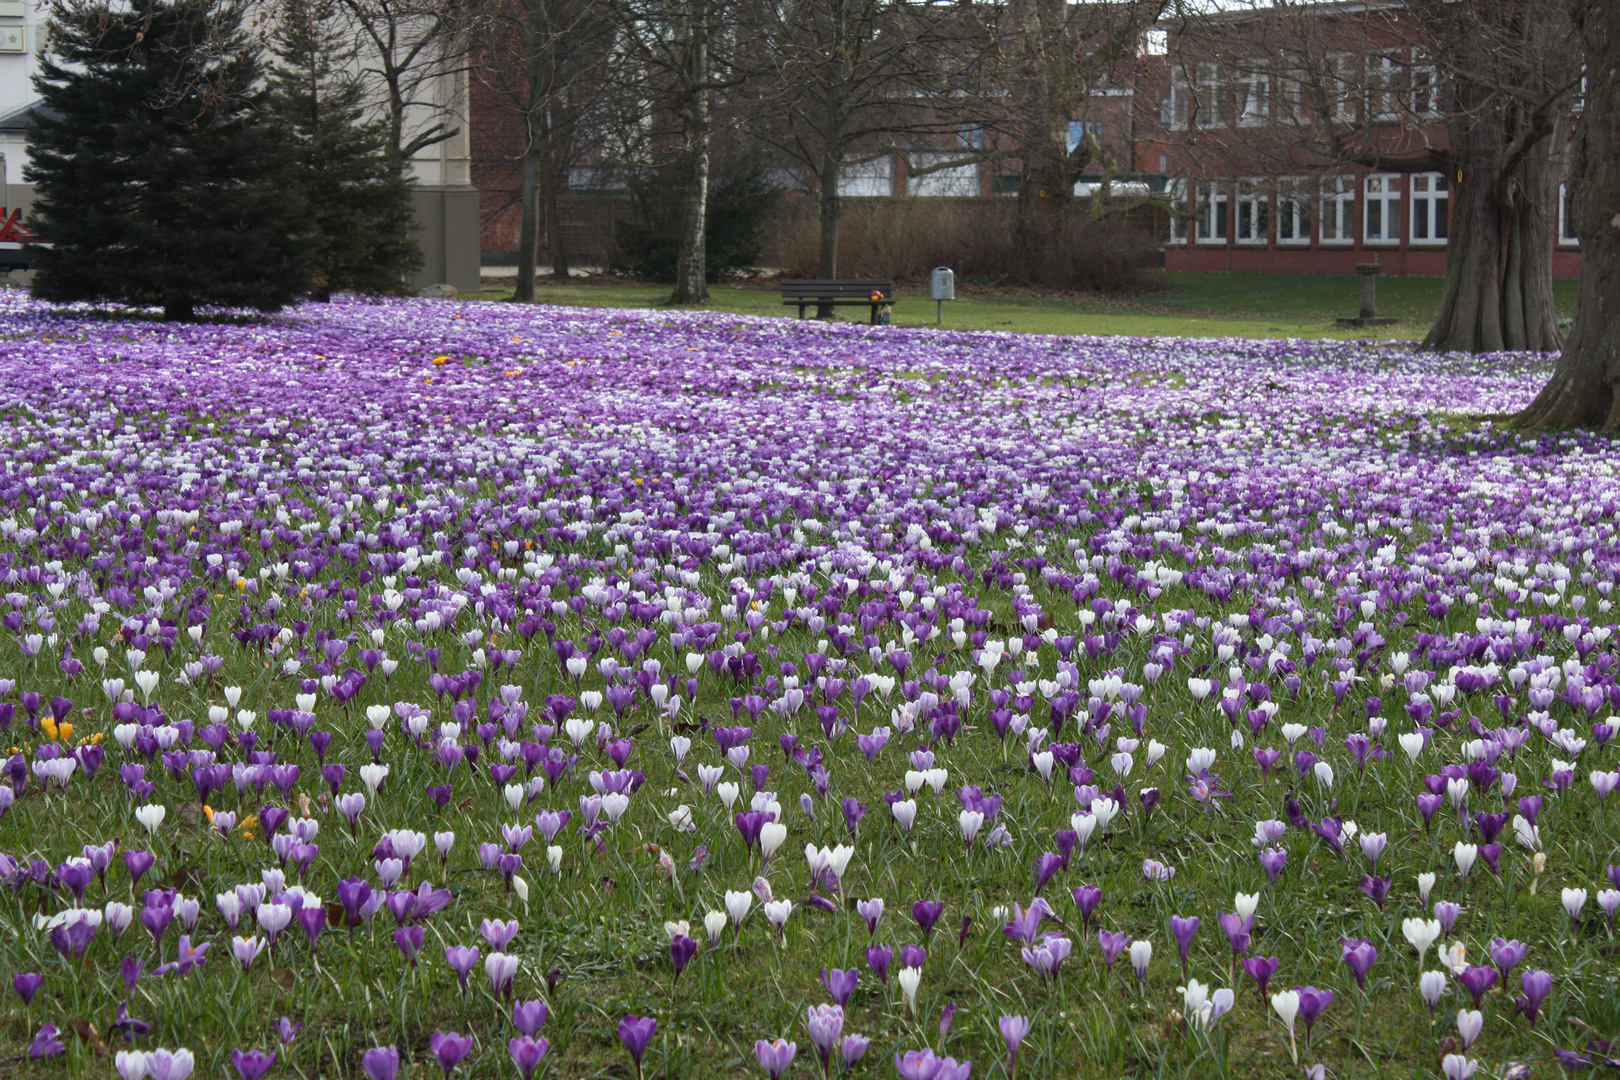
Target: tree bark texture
{"points": [[1507, 159], [691, 259], [1585, 388]]}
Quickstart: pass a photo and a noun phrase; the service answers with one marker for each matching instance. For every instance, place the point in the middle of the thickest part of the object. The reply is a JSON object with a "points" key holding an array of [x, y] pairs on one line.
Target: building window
{"points": [[1210, 112], [1253, 98], [1179, 105], [1155, 43], [1425, 88], [1293, 211], [1381, 209], [1290, 92], [1383, 98], [1079, 129], [1176, 192], [1431, 210], [1212, 213], [1566, 218], [970, 136], [1338, 210], [1253, 213], [1341, 87]]}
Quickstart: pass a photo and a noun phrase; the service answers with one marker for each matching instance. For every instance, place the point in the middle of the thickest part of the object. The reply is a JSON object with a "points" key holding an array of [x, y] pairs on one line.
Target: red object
{"points": [[12, 230]]}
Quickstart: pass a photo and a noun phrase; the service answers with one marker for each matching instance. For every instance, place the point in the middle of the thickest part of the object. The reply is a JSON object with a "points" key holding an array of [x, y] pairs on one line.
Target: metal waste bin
{"points": [[941, 287]]}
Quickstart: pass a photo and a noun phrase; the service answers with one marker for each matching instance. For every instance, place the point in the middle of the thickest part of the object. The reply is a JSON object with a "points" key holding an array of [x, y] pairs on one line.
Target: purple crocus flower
{"points": [[527, 1053], [1477, 980], [871, 911], [1272, 860], [1086, 898], [449, 1048], [529, 1016], [1446, 913], [636, 1032], [1112, 943], [1237, 929], [1183, 931], [462, 959], [1261, 969], [927, 913], [1013, 1031], [681, 951], [410, 939], [1537, 985], [380, 1063], [1506, 955], [879, 958], [252, 1064], [46, 1044], [1376, 888], [1312, 1003], [840, 984], [27, 984], [1360, 955], [775, 1056]]}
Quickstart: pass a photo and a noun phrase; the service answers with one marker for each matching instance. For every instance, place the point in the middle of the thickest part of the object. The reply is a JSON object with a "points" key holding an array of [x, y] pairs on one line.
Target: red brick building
{"points": [[1239, 110]]}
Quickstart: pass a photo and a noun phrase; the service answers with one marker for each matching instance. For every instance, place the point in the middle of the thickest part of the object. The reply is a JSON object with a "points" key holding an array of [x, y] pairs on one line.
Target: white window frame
{"points": [[1566, 226], [1337, 207], [1179, 107], [1341, 87], [1251, 222], [1384, 191], [1176, 192], [1253, 98], [1214, 214], [1293, 211], [1428, 192], [1207, 91], [1290, 93], [1383, 90], [1425, 88]]}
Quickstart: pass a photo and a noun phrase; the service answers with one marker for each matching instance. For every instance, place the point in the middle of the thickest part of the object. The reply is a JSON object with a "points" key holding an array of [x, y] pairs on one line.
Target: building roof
{"points": [[19, 119]]}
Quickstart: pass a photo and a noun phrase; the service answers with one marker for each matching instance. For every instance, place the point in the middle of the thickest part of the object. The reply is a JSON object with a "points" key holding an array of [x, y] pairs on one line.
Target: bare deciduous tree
{"points": [[550, 64]]}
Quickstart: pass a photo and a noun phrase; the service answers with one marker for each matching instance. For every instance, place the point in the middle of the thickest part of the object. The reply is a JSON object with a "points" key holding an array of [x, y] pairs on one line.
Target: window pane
{"points": [[1442, 211]]}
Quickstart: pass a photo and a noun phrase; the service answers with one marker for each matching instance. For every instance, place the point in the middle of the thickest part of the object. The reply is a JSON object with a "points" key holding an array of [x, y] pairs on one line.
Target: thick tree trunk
{"points": [[1507, 157], [1498, 286], [1585, 388], [529, 228], [691, 257]]}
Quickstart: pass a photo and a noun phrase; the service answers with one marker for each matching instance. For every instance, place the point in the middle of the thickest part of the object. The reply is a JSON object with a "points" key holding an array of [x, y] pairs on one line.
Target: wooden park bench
{"points": [[837, 292]]}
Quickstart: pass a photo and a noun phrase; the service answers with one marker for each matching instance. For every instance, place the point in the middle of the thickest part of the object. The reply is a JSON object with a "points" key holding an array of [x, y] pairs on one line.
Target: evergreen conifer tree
{"points": [[352, 184], [159, 171]]}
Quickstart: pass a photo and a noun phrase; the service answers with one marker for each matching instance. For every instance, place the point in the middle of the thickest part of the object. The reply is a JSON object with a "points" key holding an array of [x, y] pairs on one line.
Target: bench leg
{"points": [[874, 314]]}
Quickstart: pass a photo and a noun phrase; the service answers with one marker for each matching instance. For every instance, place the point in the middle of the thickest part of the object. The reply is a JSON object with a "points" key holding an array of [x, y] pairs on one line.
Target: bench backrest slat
{"points": [[833, 288]]}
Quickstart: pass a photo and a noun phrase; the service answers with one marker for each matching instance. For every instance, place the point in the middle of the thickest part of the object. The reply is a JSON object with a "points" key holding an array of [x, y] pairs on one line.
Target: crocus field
{"points": [[514, 691]]}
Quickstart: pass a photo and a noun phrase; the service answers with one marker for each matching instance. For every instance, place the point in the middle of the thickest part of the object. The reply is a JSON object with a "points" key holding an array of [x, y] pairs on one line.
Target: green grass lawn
{"points": [[1192, 305]]}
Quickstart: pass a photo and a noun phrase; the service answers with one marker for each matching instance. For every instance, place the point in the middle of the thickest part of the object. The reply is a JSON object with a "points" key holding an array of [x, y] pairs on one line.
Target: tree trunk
{"points": [[1585, 388], [829, 202], [1507, 157], [529, 228], [554, 230], [1498, 285], [691, 258], [178, 307]]}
